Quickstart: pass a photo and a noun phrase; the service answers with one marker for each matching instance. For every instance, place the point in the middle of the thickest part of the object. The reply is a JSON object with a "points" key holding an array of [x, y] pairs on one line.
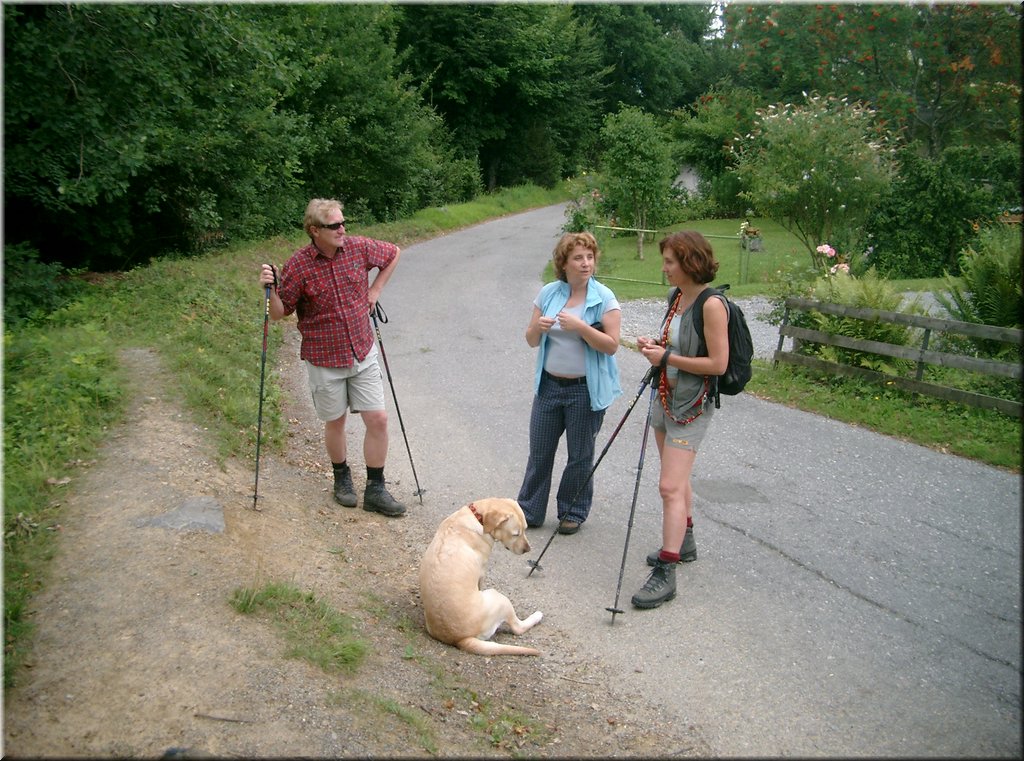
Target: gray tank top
{"points": [[683, 340]]}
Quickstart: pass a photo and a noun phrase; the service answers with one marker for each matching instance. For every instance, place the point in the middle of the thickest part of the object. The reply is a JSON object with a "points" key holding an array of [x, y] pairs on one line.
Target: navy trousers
{"points": [[556, 410]]}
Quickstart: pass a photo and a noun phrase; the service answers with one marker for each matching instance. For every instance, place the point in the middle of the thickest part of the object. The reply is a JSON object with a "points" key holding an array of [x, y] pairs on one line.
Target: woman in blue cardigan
{"points": [[575, 323]]}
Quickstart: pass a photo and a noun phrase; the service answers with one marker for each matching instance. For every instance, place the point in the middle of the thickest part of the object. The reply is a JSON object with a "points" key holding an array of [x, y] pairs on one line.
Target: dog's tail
{"points": [[487, 647]]}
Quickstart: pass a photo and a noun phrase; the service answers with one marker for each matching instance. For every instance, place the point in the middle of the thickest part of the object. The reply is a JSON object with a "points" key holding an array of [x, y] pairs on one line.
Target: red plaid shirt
{"points": [[332, 299]]}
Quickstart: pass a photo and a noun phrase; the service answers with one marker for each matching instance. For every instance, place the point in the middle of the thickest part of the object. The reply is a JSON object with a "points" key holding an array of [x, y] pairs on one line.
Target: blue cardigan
{"points": [[602, 369]]}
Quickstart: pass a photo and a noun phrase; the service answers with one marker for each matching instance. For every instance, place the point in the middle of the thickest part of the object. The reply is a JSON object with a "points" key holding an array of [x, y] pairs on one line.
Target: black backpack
{"points": [[741, 346]]}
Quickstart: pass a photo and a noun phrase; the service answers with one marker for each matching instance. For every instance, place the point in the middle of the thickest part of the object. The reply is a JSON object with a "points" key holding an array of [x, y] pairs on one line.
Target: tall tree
{"points": [[703, 136], [507, 79], [133, 130], [371, 139], [939, 73], [130, 129], [657, 52]]}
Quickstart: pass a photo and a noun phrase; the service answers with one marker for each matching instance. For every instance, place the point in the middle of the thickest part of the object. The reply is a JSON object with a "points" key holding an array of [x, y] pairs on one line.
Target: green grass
{"points": [[633, 278], [312, 630], [983, 435]]}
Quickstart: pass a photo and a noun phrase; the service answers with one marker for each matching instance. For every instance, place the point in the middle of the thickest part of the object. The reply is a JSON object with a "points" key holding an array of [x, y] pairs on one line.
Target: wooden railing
{"points": [[921, 355]]}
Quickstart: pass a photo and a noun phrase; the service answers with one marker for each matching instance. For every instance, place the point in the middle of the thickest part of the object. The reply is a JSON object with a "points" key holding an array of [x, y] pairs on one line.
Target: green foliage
{"points": [[870, 292], [517, 84], [33, 289], [655, 55], [991, 171], [925, 219], [817, 169], [703, 137], [135, 130], [937, 73], [587, 207], [988, 291], [313, 631], [141, 128], [372, 142], [638, 171]]}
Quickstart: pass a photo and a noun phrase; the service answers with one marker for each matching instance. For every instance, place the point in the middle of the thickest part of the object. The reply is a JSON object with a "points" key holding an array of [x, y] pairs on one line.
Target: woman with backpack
{"points": [[683, 410]]}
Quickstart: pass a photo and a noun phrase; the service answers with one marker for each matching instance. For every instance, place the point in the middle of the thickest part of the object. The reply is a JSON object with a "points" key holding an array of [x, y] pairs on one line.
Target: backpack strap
{"points": [[698, 325]]}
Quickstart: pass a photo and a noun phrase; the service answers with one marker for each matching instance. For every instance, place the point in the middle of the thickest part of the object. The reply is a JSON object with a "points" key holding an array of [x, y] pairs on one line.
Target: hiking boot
{"points": [[687, 552], [660, 586], [344, 490], [377, 500]]}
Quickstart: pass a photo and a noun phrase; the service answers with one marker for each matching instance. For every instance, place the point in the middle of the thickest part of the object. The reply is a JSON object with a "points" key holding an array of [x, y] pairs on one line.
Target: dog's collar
{"points": [[472, 509]]}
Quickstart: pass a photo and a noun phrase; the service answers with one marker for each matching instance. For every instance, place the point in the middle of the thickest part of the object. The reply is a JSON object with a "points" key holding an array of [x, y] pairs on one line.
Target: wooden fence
{"points": [[921, 355]]}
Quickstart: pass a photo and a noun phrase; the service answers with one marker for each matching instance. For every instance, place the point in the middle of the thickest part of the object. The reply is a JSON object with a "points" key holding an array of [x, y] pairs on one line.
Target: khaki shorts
{"points": [[337, 389], [687, 436]]}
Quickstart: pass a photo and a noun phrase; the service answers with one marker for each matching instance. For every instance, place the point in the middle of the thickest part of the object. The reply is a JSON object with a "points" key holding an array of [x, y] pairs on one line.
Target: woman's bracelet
{"points": [[664, 358]]}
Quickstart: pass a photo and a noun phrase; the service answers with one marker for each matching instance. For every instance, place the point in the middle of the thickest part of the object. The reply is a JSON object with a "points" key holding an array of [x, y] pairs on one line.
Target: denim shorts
{"points": [[336, 389]]}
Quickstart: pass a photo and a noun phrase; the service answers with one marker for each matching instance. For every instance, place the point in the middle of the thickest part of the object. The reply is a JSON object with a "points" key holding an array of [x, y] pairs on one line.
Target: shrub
{"points": [[870, 292], [925, 220], [989, 289], [33, 289], [587, 207], [816, 169]]}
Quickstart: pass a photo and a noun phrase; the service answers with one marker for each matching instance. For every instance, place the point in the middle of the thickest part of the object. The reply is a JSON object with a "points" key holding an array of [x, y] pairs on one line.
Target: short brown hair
{"points": [[565, 247], [694, 254]]}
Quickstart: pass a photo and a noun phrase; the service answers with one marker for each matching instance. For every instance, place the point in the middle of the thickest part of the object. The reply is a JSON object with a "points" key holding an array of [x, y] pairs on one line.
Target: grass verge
{"points": [[984, 435]]}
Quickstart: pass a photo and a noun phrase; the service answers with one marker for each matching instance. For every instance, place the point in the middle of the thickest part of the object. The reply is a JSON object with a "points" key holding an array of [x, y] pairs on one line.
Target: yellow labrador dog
{"points": [[457, 611]]}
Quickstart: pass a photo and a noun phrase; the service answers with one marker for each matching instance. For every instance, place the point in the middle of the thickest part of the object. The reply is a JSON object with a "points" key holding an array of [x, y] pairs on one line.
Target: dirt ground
{"points": [[139, 654]]}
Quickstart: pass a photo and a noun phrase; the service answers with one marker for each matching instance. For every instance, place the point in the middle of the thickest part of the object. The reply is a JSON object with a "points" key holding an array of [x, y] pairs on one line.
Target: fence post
{"points": [[782, 338], [924, 347]]}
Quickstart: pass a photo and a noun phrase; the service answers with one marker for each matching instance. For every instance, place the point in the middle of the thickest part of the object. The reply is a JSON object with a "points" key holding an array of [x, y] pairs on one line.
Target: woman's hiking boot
{"points": [[687, 552], [377, 500], [660, 586], [344, 490]]}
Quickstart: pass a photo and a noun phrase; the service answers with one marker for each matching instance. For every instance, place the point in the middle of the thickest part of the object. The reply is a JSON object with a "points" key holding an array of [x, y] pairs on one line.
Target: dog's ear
{"points": [[494, 520]]}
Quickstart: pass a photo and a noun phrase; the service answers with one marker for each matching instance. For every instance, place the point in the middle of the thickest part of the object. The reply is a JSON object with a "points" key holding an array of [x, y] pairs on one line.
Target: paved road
{"points": [[854, 595]]}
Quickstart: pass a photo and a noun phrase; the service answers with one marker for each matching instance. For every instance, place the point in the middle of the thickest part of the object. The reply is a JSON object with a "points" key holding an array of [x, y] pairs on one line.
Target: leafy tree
{"points": [[925, 219], [940, 73], [371, 140], [703, 136], [656, 52], [131, 129], [134, 130], [817, 169], [638, 168], [505, 77]]}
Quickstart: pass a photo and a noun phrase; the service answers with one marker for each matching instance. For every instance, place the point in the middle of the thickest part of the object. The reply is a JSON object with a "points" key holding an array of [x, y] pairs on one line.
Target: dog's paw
{"points": [[534, 619]]}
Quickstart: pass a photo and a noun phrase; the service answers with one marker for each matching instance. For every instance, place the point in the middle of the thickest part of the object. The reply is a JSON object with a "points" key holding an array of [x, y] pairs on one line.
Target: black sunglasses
{"points": [[333, 226]]}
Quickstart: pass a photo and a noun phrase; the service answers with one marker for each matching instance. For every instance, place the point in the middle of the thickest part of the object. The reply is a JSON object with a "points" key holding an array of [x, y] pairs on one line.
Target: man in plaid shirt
{"points": [[326, 284]]}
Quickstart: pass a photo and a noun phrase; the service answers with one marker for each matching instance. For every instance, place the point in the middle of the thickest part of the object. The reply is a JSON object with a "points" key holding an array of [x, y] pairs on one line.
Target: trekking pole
{"points": [[648, 378], [378, 310], [263, 367], [632, 509]]}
